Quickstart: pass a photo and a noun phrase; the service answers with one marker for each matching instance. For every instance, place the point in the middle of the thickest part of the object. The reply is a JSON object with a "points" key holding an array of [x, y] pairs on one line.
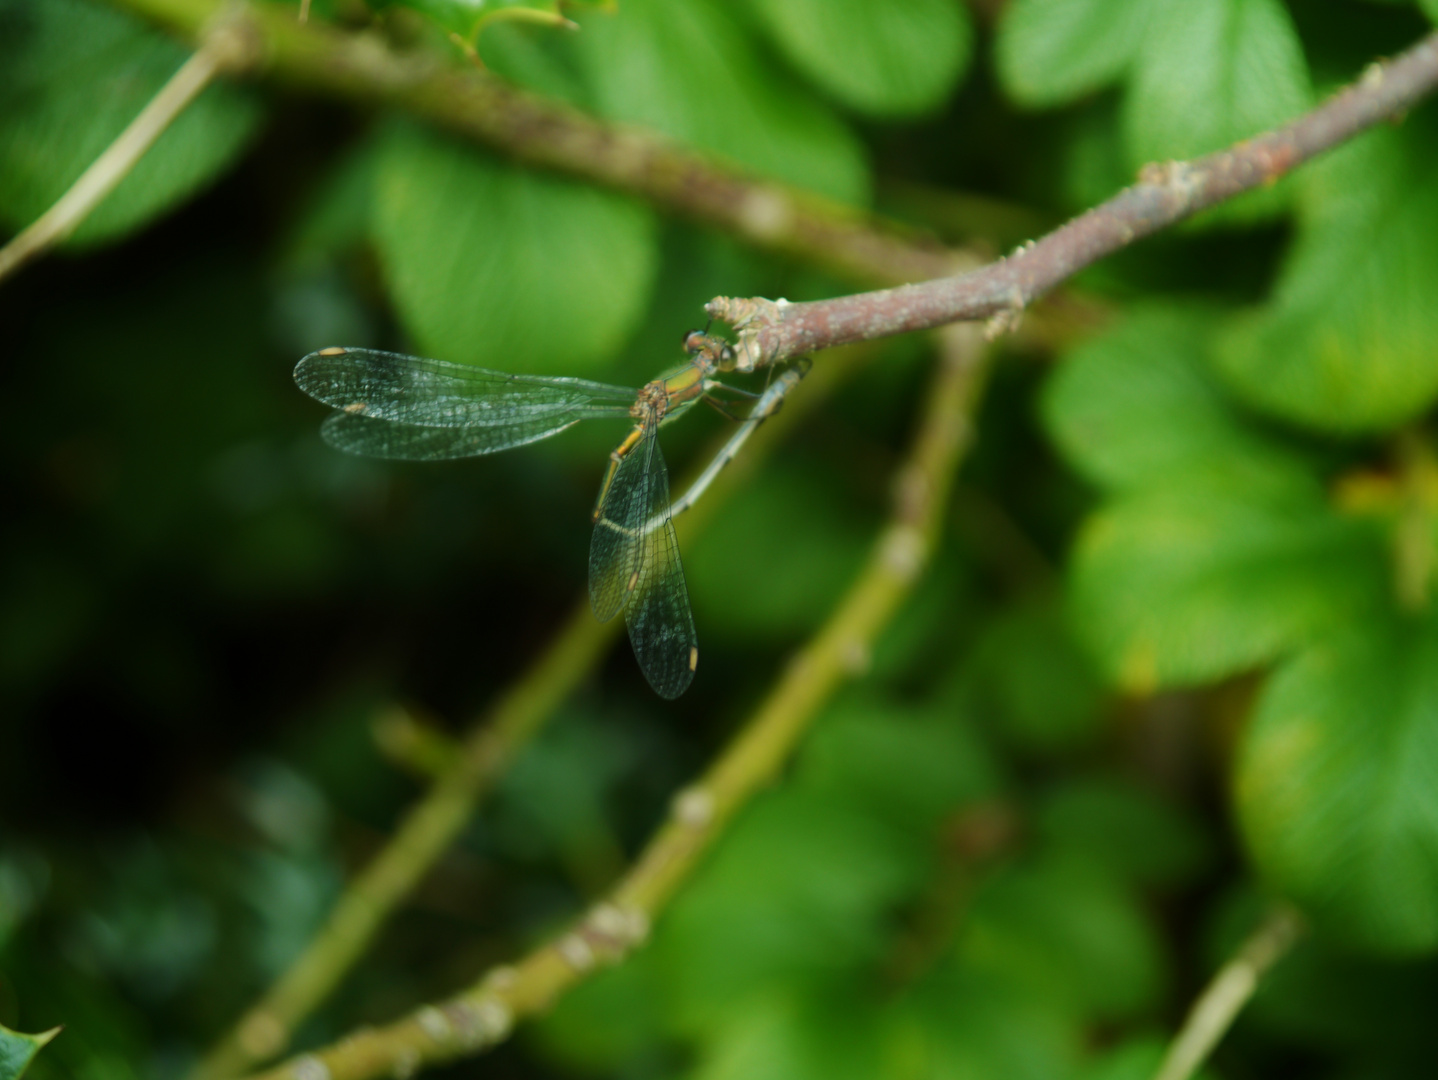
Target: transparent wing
{"points": [[615, 550], [634, 565], [661, 623], [436, 393], [356, 433]]}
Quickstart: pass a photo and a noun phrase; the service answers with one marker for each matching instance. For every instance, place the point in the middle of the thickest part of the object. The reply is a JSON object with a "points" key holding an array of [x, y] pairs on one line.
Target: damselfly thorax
{"points": [[664, 398]]}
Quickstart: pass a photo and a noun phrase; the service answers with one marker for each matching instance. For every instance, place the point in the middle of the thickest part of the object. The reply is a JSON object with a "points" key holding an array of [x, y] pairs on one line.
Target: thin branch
{"points": [[225, 48], [422, 836], [1165, 193], [1225, 996], [484, 1015], [550, 134], [415, 745], [437, 819]]}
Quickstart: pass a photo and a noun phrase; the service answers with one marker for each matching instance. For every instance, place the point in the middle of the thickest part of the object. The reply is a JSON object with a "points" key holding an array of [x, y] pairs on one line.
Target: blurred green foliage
{"points": [[467, 19], [448, 221], [1176, 654], [75, 75]]}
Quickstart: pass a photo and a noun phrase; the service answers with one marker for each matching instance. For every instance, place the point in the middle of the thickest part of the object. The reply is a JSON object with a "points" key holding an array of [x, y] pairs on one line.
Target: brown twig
{"points": [[1165, 193], [484, 1015], [552, 135]]}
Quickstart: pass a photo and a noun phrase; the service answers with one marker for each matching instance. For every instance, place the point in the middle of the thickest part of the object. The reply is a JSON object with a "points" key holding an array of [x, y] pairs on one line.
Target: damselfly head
{"points": [[702, 344]]}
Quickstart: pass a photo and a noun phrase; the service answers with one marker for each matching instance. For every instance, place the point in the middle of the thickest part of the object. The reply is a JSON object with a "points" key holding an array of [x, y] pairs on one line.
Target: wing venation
{"points": [[437, 393]]}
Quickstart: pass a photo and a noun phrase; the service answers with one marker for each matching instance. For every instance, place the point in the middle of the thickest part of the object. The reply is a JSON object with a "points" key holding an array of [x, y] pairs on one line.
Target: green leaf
{"points": [[1337, 784], [1094, 164], [335, 219], [72, 76], [974, 1024], [1031, 682], [610, 1018], [1213, 72], [1429, 8], [1208, 578], [893, 58], [17, 1050], [1069, 933], [783, 1036], [489, 263], [536, 58], [1137, 406], [689, 71], [1131, 832], [793, 586], [1050, 52], [797, 892], [554, 793], [1137, 1057], [1347, 342], [910, 768]]}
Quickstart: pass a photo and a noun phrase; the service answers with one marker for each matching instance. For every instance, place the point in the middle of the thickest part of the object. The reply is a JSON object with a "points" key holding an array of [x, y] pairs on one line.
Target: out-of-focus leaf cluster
{"points": [[1181, 665], [870, 920], [1226, 545], [1229, 541]]}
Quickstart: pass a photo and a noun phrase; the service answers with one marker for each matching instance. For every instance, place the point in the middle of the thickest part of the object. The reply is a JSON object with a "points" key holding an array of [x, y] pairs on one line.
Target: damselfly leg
{"points": [[767, 405]]}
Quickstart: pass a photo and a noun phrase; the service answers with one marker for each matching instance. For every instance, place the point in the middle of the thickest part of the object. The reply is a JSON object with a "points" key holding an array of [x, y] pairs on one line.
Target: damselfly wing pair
{"points": [[395, 406]]}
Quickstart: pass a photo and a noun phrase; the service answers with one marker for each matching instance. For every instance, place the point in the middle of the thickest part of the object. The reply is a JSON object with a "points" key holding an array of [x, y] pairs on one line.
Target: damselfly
{"points": [[396, 406]]}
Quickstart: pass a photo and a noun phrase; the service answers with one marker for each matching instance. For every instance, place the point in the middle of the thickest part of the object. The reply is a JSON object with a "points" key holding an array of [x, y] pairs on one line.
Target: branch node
{"points": [[575, 951], [479, 1023], [1008, 319], [615, 929], [903, 553], [750, 316], [233, 41], [434, 1023], [855, 656], [1181, 178], [495, 1018], [694, 808], [767, 213], [1155, 173], [310, 1067], [608, 933]]}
